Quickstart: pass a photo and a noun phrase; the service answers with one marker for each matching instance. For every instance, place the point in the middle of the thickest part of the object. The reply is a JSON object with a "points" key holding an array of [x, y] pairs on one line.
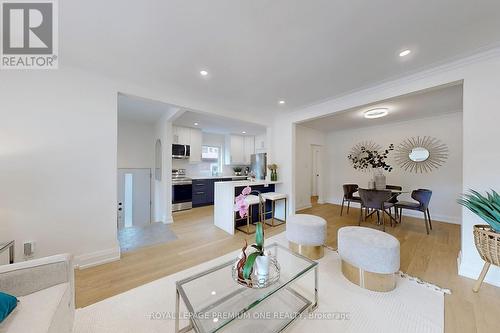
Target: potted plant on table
{"points": [[256, 262], [274, 175], [237, 171], [376, 160], [487, 236]]}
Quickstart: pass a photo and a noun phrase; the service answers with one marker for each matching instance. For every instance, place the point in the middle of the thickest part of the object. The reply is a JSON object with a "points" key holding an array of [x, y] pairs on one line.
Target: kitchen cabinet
{"points": [[249, 149], [235, 148], [238, 149], [204, 191], [189, 136], [181, 135], [195, 142]]}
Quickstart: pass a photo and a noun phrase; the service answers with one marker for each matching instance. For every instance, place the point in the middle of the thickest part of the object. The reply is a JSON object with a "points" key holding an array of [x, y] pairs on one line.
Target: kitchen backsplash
{"points": [[199, 169]]}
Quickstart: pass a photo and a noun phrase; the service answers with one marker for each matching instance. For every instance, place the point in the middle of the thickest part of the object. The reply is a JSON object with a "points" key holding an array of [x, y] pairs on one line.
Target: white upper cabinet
{"points": [[181, 135], [249, 149], [195, 144], [238, 149]]}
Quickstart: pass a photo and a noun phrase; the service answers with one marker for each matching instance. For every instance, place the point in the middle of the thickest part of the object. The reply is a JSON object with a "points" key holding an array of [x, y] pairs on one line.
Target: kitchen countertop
{"points": [[239, 183], [217, 177]]}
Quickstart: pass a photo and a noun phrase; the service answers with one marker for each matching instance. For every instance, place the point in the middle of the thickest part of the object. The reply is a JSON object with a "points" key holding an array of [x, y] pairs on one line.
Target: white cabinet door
{"points": [[195, 139], [249, 148], [175, 135], [235, 150], [184, 134]]}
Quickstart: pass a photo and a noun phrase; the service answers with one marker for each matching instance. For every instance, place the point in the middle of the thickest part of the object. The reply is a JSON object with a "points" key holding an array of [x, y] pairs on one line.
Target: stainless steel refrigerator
{"points": [[259, 165]]}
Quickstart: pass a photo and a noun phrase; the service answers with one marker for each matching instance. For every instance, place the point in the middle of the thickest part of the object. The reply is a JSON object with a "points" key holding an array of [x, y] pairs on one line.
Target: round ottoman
{"points": [[306, 235], [369, 257]]}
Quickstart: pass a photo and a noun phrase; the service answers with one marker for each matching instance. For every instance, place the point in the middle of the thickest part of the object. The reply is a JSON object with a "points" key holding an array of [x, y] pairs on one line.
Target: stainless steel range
{"points": [[182, 190]]}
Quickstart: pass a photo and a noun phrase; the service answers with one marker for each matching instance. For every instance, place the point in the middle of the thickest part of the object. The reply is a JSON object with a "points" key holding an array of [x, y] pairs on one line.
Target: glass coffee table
{"points": [[216, 303]]}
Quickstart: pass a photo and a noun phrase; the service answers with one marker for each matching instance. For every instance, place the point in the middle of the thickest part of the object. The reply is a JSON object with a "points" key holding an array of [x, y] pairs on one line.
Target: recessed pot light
{"points": [[244, 132], [196, 124], [281, 102], [203, 73], [376, 113], [404, 53]]}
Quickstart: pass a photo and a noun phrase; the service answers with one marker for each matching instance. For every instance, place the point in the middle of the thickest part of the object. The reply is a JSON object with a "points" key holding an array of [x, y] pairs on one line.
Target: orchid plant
{"points": [[246, 263]]}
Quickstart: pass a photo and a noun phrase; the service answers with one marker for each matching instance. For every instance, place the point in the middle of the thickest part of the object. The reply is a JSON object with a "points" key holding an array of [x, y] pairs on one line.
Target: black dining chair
{"points": [[394, 198], [378, 201], [349, 190], [423, 197]]}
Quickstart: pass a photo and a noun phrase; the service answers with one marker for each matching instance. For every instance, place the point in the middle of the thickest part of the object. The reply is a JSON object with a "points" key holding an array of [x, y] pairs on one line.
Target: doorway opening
{"points": [[316, 174]]}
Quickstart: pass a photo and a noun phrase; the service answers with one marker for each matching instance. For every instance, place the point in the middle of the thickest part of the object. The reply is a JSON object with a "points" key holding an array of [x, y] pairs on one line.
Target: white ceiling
{"points": [[217, 124], [428, 103], [142, 109], [258, 52]]}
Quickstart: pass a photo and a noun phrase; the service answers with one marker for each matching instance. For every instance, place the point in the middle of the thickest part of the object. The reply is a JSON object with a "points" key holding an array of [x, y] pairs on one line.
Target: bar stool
{"points": [[251, 200], [273, 197]]}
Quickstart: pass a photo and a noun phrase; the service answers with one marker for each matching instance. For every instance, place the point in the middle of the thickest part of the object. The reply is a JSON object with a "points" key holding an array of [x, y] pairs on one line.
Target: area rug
{"points": [[135, 237], [414, 306]]}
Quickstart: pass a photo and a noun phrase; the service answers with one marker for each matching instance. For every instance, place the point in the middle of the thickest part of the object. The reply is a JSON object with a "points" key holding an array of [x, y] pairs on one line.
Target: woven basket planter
{"points": [[487, 244]]}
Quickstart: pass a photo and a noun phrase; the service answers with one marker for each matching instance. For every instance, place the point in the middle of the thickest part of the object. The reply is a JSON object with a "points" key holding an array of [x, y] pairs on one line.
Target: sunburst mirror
{"points": [[419, 154], [360, 148]]}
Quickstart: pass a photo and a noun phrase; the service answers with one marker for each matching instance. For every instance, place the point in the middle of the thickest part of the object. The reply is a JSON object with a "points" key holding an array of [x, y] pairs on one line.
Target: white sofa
{"points": [[45, 290]]}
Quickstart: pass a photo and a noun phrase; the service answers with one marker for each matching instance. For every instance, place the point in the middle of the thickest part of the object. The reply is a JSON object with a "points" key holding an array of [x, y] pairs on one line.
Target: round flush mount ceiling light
{"points": [[281, 102], [376, 113], [404, 53], [203, 73]]}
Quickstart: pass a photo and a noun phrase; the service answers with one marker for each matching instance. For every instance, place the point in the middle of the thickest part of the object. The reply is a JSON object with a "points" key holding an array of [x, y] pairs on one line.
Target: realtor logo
{"points": [[29, 34]]}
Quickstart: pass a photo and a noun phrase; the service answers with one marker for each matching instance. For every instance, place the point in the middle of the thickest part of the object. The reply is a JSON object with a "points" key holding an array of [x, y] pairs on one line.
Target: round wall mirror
{"points": [[419, 154]]}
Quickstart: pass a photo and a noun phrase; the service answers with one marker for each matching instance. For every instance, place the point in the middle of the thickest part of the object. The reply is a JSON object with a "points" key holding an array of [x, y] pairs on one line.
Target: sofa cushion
{"points": [[7, 304], [35, 312]]}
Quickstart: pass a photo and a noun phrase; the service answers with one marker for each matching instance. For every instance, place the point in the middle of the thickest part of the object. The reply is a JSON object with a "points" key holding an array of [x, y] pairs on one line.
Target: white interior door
{"points": [[134, 197], [315, 170]]}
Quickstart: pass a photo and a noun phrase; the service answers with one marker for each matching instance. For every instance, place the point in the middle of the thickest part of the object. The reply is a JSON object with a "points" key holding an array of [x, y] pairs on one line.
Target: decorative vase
{"points": [[379, 178], [261, 267], [274, 175]]}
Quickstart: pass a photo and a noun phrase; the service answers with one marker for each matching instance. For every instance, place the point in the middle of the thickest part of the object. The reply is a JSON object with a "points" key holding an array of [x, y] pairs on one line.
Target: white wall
{"points": [[163, 188], [58, 136], [136, 144], [306, 137], [481, 78], [445, 182]]}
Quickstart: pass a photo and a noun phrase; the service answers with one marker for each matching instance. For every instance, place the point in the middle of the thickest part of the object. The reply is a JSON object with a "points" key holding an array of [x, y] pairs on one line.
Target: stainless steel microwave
{"points": [[180, 151]]}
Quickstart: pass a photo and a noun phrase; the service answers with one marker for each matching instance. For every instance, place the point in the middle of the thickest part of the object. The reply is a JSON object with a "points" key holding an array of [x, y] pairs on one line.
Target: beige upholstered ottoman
{"points": [[306, 235], [369, 257]]}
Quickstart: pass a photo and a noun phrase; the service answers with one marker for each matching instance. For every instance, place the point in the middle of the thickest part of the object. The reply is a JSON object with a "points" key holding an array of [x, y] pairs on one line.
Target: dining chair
{"points": [[378, 201], [394, 198], [349, 190], [423, 197]]}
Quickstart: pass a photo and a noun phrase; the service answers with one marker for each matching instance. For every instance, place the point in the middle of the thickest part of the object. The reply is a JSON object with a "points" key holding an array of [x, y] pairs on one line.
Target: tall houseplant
{"points": [[486, 237]]}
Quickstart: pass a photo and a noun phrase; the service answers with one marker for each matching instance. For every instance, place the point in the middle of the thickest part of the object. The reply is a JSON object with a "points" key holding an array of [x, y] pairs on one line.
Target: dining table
{"points": [[394, 195]]}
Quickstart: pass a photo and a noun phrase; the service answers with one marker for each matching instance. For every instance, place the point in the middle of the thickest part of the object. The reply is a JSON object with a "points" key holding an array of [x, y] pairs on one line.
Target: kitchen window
{"points": [[212, 154]]}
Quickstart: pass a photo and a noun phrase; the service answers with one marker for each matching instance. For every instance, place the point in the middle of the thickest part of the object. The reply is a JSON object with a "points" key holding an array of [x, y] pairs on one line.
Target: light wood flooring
{"points": [[429, 257]]}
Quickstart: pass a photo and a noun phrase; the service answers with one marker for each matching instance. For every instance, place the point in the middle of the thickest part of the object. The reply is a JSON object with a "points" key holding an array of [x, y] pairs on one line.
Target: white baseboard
{"points": [[97, 258], [169, 220], [493, 276], [434, 217], [303, 207]]}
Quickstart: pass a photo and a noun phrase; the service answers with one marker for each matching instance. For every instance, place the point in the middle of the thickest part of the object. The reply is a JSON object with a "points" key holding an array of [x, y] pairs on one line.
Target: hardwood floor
{"points": [[429, 257]]}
